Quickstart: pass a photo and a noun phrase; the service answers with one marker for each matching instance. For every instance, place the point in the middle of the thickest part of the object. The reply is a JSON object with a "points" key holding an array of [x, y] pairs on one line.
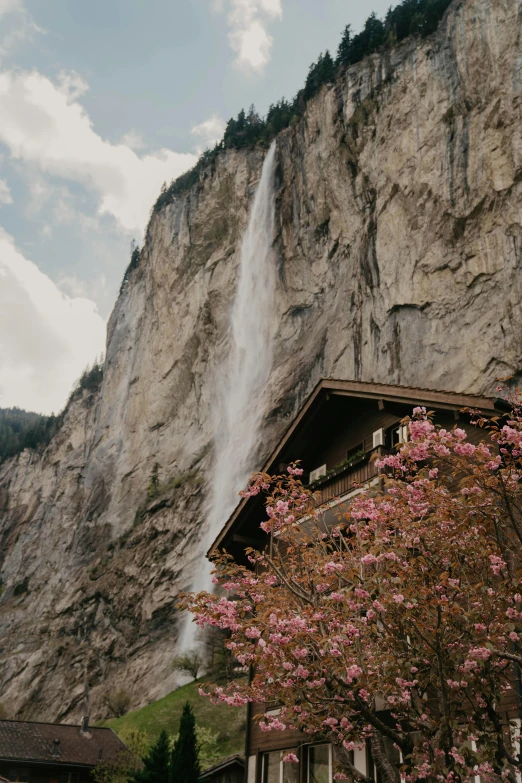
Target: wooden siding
{"points": [[265, 741], [351, 434], [348, 477]]}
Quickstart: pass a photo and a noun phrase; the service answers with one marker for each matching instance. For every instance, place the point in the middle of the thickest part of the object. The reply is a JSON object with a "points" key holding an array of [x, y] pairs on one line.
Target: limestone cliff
{"points": [[399, 246]]}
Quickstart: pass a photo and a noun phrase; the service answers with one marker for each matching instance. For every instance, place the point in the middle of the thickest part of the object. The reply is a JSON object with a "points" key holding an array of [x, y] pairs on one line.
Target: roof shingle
{"points": [[57, 742]]}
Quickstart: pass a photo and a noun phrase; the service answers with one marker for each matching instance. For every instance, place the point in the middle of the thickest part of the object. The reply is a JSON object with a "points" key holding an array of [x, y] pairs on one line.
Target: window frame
{"points": [[282, 753], [330, 760]]}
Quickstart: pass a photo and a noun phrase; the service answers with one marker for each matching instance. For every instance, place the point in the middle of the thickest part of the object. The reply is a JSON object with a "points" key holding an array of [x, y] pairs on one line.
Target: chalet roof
{"points": [[57, 743], [228, 762], [414, 395]]}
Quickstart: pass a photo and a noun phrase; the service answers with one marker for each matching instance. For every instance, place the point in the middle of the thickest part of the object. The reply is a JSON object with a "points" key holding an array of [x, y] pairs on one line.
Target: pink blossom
{"points": [[352, 672], [479, 654], [322, 587], [290, 758], [497, 564], [331, 567], [330, 722]]}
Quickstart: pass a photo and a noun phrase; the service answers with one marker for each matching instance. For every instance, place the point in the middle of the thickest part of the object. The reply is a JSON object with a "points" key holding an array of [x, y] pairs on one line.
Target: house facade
{"points": [[336, 435], [230, 770], [33, 752]]}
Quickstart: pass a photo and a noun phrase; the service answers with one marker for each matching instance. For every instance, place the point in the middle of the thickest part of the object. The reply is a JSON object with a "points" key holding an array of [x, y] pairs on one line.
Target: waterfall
{"points": [[240, 404]]}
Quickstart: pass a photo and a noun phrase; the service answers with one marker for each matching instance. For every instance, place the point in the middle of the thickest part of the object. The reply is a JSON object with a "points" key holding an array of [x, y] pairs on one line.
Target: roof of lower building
{"points": [[58, 743], [228, 762]]}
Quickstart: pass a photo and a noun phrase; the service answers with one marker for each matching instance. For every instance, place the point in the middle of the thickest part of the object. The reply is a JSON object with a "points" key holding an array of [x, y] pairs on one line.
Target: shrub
{"points": [[190, 662], [117, 703]]}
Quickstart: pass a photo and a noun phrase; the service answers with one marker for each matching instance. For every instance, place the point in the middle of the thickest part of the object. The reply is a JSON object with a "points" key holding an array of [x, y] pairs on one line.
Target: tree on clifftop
{"points": [[401, 624], [184, 767]]}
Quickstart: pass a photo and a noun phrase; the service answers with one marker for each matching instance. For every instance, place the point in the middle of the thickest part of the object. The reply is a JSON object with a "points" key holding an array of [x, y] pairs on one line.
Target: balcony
{"points": [[346, 478]]}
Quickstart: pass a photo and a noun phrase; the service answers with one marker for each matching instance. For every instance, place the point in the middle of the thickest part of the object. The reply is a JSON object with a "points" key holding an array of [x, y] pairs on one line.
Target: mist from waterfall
{"points": [[240, 403]]}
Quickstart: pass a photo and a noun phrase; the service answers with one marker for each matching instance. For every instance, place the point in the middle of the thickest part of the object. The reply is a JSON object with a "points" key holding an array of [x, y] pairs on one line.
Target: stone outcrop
{"points": [[399, 247]]}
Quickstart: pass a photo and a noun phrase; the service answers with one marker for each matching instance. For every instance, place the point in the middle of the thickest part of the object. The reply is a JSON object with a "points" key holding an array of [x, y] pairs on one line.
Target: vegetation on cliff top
{"points": [[410, 17], [20, 429]]}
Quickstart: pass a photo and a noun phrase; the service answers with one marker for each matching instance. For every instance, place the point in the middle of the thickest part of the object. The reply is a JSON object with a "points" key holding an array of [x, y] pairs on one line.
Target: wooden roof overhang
{"points": [[381, 393]]}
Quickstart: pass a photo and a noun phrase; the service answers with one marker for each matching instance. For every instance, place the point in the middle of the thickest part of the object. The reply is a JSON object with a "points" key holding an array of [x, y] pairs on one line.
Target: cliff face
{"points": [[399, 246]]}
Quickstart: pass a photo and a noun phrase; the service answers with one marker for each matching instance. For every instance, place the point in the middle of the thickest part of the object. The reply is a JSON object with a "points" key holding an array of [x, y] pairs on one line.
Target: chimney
{"points": [[85, 724]]}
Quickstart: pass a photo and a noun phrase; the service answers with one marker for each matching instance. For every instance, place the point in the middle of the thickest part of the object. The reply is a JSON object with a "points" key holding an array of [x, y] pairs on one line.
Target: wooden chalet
{"points": [[55, 752], [338, 430], [229, 770]]}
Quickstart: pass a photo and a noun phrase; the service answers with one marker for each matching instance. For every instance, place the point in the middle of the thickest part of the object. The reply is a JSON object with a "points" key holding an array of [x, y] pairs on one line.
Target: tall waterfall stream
{"points": [[240, 404]]}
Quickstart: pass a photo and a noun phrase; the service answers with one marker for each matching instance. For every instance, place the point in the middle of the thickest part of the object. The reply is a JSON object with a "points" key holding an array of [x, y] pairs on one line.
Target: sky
{"points": [[100, 103]]}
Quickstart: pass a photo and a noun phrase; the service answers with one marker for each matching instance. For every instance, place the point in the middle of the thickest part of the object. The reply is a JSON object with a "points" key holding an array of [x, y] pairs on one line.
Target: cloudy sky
{"points": [[100, 103]]}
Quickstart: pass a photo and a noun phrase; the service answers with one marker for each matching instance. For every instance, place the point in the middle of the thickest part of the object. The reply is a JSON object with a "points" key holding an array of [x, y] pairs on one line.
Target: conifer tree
{"points": [[184, 767], [156, 763], [343, 52]]}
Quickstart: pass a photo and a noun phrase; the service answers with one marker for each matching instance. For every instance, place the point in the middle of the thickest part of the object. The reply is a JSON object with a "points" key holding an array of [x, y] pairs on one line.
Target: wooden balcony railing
{"points": [[346, 478]]}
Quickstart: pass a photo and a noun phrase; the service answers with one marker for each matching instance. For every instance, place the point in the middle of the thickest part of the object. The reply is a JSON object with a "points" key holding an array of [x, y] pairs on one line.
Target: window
{"points": [[399, 434], [320, 764], [21, 775], [378, 438], [274, 770], [69, 777], [317, 473], [355, 453]]}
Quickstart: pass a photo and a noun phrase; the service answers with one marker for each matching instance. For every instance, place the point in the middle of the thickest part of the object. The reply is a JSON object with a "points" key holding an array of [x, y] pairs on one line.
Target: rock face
{"points": [[399, 246]]}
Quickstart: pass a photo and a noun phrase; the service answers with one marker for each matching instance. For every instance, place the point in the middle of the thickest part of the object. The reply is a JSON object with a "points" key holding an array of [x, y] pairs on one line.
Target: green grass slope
{"points": [[227, 722]]}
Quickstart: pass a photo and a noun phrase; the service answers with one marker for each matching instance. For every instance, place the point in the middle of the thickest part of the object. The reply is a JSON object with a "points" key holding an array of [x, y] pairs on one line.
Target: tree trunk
{"points": [[387, 771]]}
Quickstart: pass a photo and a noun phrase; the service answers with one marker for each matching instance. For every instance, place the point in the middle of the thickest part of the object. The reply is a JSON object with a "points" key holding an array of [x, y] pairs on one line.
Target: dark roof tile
{"points": [[28, 741]]}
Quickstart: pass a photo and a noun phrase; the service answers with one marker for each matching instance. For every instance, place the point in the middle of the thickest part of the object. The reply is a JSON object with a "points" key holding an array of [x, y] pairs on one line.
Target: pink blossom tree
{"points": [[400, 625]]}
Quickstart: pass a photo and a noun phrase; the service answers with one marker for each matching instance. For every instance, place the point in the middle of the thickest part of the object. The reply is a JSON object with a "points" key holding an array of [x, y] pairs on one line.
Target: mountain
{"points": [[398, 244]]}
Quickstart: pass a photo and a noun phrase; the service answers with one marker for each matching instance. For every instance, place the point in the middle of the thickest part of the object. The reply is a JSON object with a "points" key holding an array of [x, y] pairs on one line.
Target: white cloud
{"points": [[46, 338], [43, 127], [210, 131], [8, 6], [18, 26], [133, 139], [72, 85], [5, 193], [249, 37]]}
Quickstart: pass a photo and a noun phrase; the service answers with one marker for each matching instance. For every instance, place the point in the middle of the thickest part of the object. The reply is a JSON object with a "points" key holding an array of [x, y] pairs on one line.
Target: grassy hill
{"points": [[226, 724]]}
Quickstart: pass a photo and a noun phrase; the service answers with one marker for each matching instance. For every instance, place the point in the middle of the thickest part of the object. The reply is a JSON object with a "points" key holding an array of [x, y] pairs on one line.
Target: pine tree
{"points": [[327, 68], [343, 52], [156, 763], [374, 30], [184, 767]]}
